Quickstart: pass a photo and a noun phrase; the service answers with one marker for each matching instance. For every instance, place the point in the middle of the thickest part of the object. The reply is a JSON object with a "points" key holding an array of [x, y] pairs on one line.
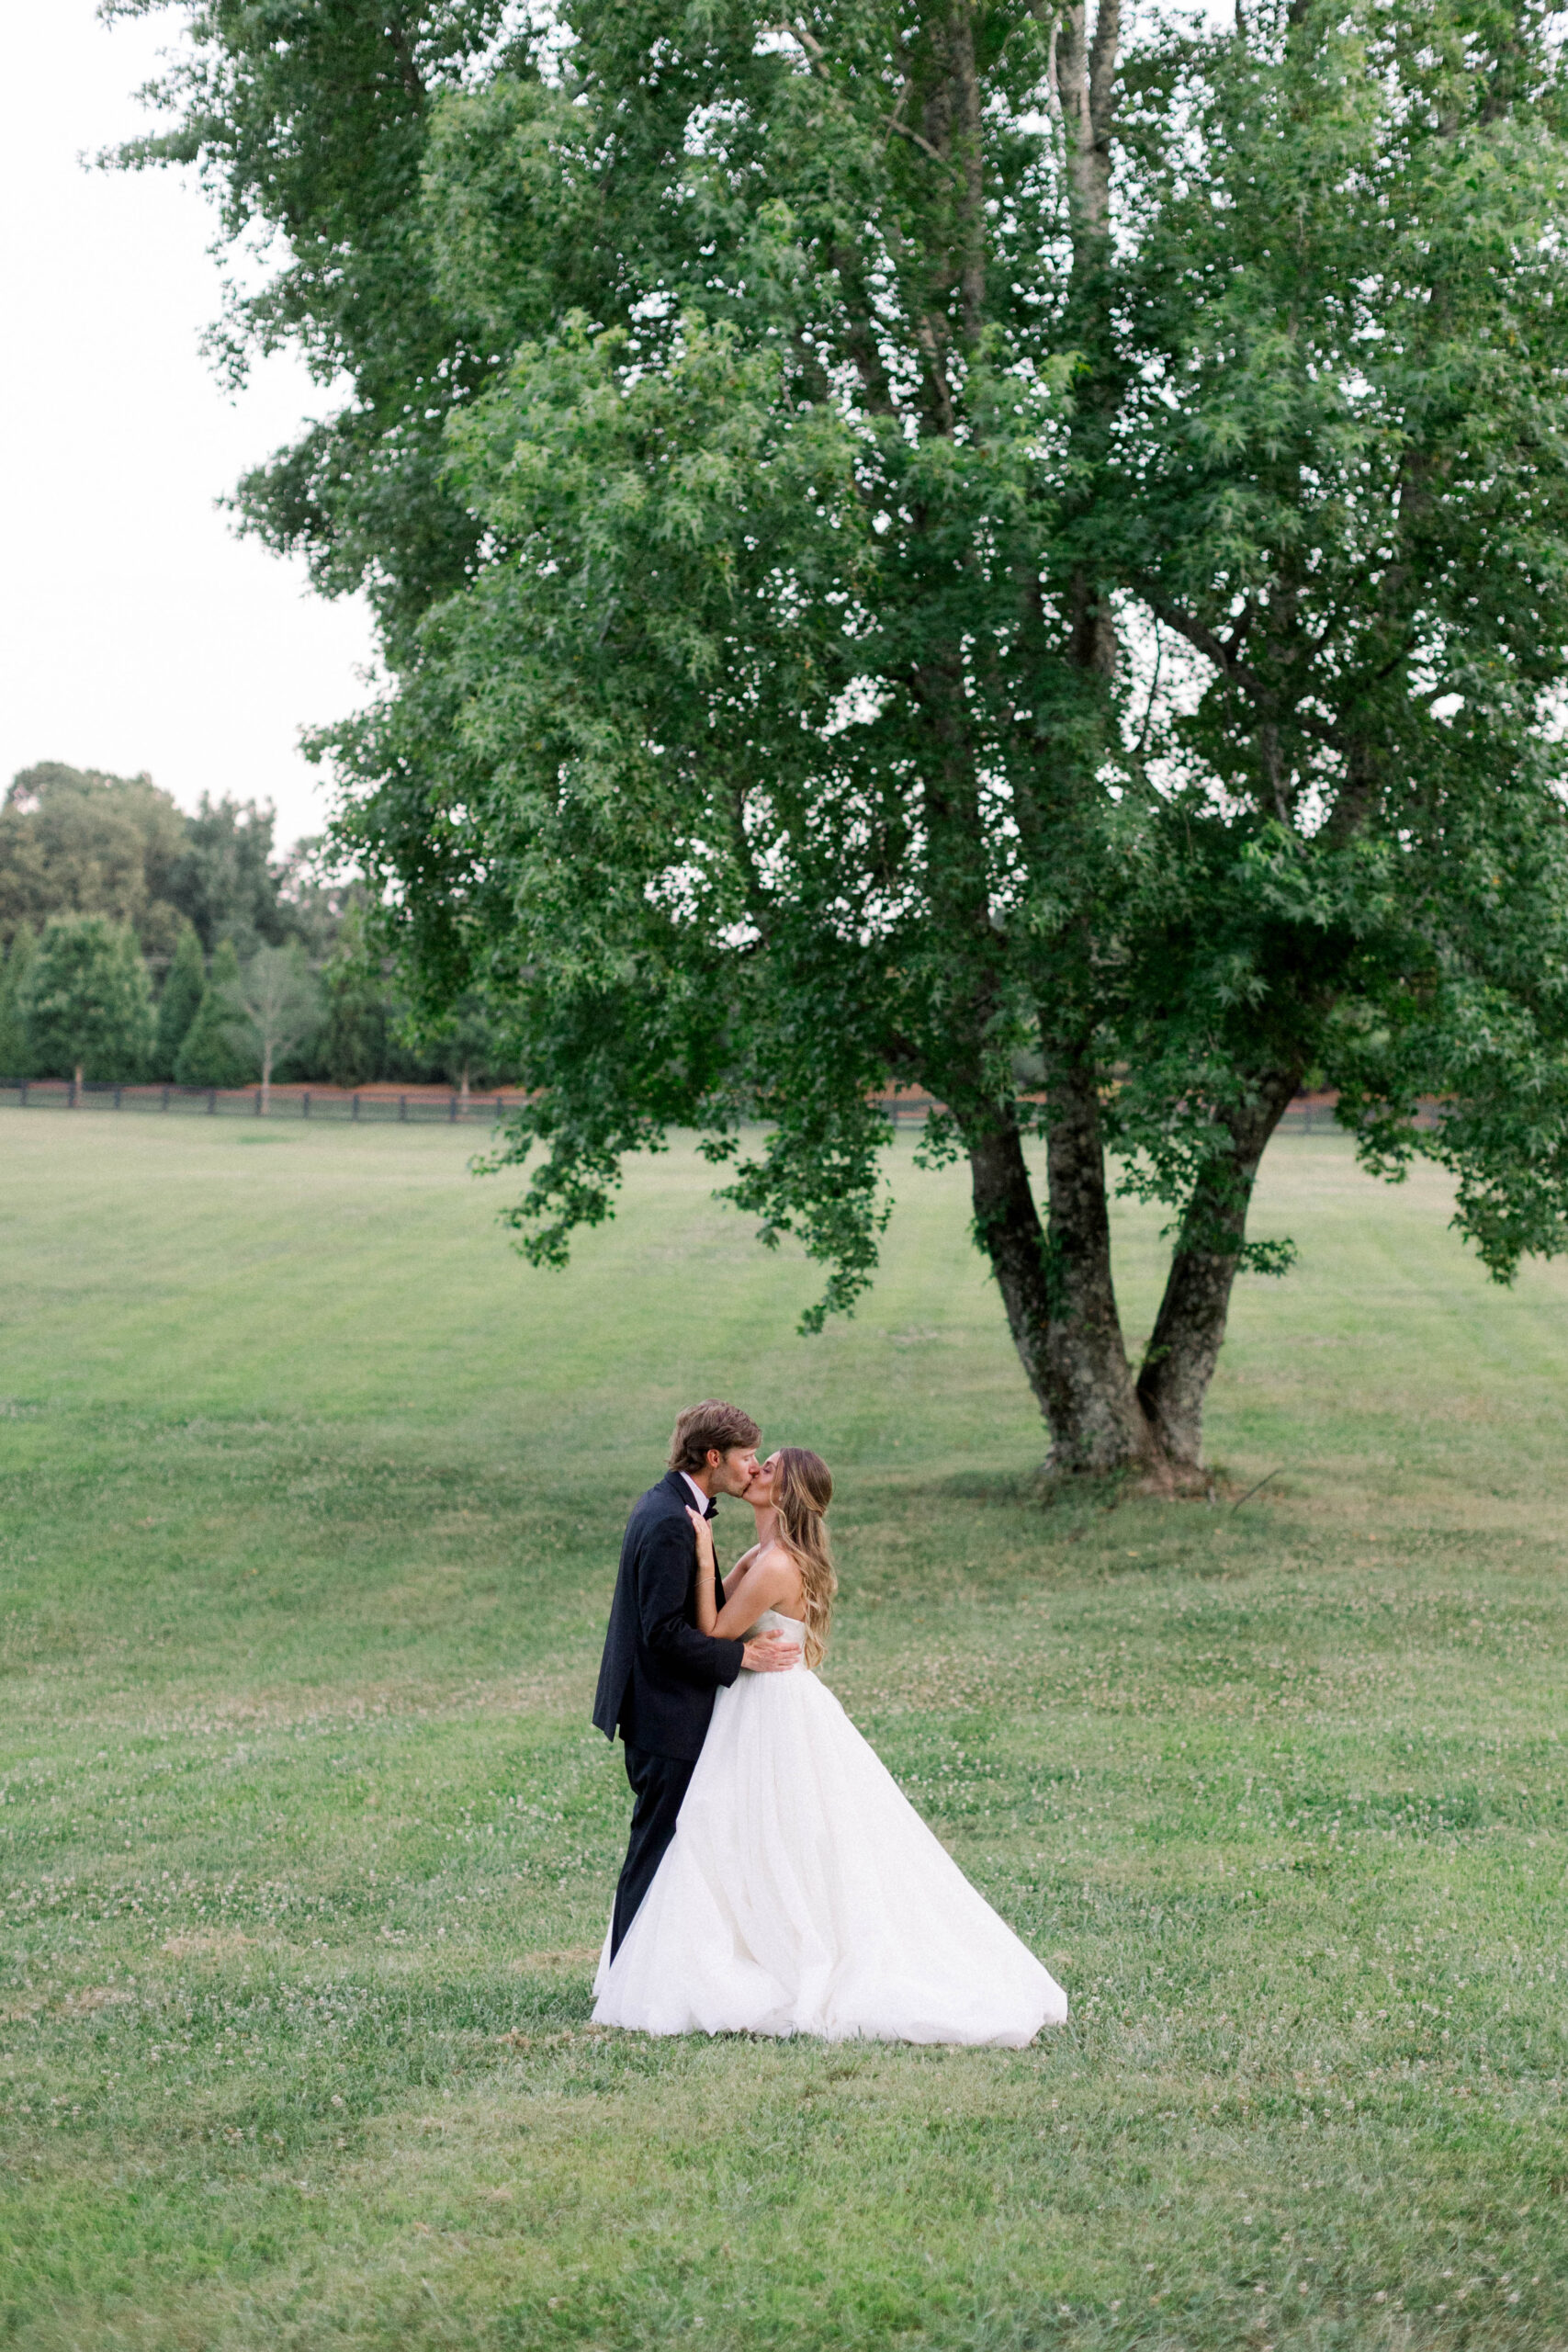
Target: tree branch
{"points": [[905, 131], [971, 280], [808, 42]]}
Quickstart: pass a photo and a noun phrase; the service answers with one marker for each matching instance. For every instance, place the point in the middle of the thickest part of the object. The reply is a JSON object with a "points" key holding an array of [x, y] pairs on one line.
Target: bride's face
{"points": [[761, 1490]]}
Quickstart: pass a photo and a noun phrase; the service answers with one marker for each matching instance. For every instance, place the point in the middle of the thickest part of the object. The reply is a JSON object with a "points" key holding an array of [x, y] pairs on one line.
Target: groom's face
{"points": [[733, 1472]]}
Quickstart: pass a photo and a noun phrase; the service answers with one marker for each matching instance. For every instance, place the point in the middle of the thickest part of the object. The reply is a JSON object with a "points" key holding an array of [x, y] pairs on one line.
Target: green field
{"points": [[311, 1497]]}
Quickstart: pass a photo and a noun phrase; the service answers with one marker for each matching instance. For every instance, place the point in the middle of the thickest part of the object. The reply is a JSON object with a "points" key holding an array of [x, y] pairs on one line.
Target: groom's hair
{"points": [[702, 1427]]}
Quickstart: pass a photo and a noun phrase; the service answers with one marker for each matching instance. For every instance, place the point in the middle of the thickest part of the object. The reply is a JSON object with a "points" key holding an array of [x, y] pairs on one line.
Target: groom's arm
{"points": [[664, 1580]]}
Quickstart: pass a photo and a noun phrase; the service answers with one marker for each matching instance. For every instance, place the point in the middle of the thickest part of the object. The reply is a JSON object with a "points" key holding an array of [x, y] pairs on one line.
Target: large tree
{"points": [[15, 1051], [281, 999], [179, 1001], [784, 454], [74, 840], [220, 1048], [226, 880], [86, 1003]]}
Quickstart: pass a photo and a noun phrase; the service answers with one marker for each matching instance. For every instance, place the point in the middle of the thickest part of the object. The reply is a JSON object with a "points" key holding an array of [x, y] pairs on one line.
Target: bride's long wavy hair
{"points": [[802, 1489]]}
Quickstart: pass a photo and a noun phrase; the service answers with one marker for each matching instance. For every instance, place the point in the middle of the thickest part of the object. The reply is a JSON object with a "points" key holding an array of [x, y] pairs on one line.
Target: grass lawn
{"points": [[310, 1503]]}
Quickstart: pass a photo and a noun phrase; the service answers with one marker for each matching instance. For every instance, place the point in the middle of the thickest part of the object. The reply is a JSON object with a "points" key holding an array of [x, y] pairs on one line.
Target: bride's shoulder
{"points": [[775, 1566]]}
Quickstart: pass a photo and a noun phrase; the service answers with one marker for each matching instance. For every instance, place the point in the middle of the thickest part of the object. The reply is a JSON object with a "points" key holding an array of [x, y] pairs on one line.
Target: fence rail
{"points": [[417, 1105], [426, 1106]]}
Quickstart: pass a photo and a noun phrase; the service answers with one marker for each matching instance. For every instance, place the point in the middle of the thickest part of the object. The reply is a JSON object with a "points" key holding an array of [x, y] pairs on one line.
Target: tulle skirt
{"points": [[803, 1894]]}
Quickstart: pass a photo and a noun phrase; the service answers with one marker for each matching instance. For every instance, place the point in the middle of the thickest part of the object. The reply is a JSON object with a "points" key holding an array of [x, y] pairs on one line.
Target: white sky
{"points": [[136, 630]]}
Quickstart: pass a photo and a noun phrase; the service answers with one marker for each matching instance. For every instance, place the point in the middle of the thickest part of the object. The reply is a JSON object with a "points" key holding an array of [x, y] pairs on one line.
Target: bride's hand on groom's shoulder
{"points": [[702, 1529]]}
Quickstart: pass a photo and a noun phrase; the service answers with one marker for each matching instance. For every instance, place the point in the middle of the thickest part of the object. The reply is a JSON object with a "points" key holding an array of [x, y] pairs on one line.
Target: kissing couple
{"points": [[777, 1880]]}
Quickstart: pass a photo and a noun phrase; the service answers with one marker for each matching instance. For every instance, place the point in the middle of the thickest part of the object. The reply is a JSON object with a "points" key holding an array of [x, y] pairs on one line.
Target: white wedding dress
{"points": [[803, 1894]]}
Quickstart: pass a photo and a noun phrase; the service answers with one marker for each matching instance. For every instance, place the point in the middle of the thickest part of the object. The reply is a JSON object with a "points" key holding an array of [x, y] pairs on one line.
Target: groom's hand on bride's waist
{"points": [[771, 1653]]}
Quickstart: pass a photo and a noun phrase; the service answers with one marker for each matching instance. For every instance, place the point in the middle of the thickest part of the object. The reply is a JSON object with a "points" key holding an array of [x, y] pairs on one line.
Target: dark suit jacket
{"points": [[658, 1674]]}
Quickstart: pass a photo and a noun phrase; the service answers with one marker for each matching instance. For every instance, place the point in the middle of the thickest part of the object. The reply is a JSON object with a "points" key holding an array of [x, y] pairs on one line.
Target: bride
{"points": [[802, 1892]]}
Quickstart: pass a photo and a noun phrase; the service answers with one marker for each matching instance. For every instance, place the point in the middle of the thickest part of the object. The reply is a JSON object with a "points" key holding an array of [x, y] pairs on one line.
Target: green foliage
{"points": [[180, 1000], [296, 1449], [16, 1054], [86, 1003], [219, 1049], [1356, 515], [75, 842], [226, 880], [280, 998], [468, 1044], [357, 1032], [853, 619]]}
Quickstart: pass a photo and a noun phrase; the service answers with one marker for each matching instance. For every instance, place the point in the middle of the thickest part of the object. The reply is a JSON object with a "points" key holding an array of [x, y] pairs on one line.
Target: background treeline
{"points": [[141, 944]]}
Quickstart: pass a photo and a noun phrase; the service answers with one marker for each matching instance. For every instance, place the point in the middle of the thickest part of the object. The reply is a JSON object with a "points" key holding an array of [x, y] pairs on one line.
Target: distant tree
{"points": [[181, 999], [75, 842], [217, 1049], [86, 1004], [226, 880], [468, 1044], [357, 1038], [281, 999], [314, 902], [15, 1060]]}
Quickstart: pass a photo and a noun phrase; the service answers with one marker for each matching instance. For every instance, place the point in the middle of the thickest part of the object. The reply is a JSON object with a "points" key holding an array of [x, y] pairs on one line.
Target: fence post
{"points": [[452, 1111], [355, 1113], [71, 1098], [305, 1104], [117, 1098], [258, 1102], [404, 1108], [23, 1104], [212, 1101]]}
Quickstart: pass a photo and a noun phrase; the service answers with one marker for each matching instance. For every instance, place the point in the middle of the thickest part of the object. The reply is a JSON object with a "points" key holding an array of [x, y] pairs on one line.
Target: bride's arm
{"points": [[761, 1580], [744, 1562]]}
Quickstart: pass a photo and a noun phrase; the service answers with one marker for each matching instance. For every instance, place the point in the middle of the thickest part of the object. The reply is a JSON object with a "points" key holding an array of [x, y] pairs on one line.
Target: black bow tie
{"points": [[712, 1511]]}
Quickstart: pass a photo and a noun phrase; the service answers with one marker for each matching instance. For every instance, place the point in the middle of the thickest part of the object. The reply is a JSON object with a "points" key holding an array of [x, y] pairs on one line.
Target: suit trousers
{"points": [[659, 1788]]}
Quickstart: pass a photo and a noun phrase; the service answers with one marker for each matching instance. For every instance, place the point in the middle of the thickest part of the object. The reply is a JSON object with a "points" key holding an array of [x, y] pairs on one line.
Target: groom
{"points": [[658, 1674]]}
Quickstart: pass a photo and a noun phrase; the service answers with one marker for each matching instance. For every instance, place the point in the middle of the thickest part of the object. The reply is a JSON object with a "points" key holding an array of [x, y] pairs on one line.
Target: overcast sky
{"points": [[136, 632]]}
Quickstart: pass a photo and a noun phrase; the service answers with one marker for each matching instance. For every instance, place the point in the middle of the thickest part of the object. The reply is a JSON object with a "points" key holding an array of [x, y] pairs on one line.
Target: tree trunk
{"points": [[1057, 1288], [1007, 1229], [1096, 1418], [1190, 1329], [76, 1087], [266, 1078]]}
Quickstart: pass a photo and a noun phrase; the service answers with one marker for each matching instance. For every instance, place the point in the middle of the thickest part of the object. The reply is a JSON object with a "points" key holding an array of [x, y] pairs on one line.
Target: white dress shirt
{"points": [[698, 1497]]}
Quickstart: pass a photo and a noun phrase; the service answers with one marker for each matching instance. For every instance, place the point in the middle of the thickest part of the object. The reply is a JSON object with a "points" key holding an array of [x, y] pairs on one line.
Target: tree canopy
{"points": [[74, 840], [86, 1003], [921, 542], [179, 1000], [218, 1048]]}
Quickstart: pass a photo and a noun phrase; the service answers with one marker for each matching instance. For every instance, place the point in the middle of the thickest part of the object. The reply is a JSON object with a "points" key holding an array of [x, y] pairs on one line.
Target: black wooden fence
{"points": [[424, 1106], [418, 1106]]}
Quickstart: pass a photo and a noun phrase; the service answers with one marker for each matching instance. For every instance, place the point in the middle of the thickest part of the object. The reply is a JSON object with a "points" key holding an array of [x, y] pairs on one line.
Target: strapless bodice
{"points": [[774, 1621]]}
